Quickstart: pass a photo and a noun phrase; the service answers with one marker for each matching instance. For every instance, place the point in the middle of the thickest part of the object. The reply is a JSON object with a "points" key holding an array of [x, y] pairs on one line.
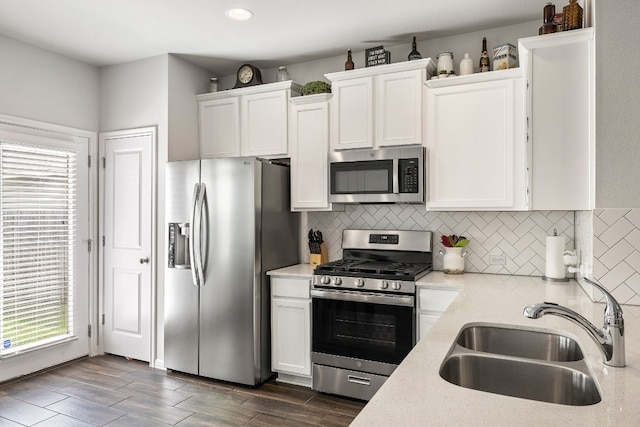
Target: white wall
{"points": [[41, 85], [617, 104], [185, 82], [134, 95]]}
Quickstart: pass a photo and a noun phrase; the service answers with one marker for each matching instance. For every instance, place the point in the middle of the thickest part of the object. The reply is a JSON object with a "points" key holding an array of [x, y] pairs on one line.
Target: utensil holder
{"points": [[321, 258]]}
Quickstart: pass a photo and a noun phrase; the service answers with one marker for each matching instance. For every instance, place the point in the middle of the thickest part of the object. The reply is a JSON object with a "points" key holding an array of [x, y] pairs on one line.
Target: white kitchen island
{"points": [[415, 394]]}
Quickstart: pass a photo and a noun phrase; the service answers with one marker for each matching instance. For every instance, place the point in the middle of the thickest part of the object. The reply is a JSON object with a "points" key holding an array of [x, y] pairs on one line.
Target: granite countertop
{"points": [[416, 395], [297, 270]]}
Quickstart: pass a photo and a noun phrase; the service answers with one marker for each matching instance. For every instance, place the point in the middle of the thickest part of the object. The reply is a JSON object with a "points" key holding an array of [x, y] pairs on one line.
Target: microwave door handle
{"points": [[396, 177]]}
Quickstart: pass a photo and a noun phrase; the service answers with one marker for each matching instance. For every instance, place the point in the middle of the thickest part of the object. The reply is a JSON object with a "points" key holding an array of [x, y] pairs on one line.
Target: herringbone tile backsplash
{"points": [[616, 252], [519, 236]]}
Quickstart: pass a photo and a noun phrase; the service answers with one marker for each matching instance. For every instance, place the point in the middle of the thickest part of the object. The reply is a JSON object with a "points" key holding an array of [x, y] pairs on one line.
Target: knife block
{"points": [[321, 258]]}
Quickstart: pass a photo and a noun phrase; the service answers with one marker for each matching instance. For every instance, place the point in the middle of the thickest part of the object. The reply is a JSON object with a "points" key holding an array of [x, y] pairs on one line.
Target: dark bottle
{"points": [[349, 64], [414, 53], [548, 12], [484, 57]]}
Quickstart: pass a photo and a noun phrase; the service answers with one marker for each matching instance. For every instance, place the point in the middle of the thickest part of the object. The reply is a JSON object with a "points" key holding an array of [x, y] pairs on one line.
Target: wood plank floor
{"points": [[112, 391]]}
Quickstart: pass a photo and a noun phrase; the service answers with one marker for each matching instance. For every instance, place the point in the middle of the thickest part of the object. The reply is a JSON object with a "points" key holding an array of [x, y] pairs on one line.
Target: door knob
{"points": [[144, 260]]}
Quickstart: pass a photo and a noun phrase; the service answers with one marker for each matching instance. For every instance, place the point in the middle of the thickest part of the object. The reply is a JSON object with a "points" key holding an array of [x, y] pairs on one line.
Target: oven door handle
{"points": [[401, 300]]}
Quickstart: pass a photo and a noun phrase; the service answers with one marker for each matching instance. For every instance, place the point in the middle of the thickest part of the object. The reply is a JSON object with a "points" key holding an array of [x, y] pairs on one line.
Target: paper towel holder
{"points": [[552, 279], [557, 279]]}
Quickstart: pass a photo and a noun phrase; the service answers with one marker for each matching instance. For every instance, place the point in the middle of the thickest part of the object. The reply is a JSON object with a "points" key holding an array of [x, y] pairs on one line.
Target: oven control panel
{"points": [[384, 239], [364, 284]]}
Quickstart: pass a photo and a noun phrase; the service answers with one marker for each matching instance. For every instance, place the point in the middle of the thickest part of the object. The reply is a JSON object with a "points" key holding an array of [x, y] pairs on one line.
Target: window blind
{"points": [[37, 232]]}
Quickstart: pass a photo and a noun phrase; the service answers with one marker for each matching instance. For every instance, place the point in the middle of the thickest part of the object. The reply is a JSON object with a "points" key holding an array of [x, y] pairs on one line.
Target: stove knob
{"points": [[359, 283], [396, 286], [384, 284], [337, 281], [326, 280]]}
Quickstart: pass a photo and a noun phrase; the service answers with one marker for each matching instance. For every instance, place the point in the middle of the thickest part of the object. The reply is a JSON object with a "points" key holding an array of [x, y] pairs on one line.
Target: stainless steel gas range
{"points": [[364, 309]]}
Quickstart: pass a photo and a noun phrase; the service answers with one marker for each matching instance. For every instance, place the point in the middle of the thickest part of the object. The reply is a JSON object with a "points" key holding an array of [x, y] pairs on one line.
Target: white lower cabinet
{"points": [[432, 302], [291, 329]]}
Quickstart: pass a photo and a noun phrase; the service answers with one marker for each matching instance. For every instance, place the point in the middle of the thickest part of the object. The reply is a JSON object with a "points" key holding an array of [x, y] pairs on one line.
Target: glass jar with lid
{"points": [[282, 75], [445, 63]]}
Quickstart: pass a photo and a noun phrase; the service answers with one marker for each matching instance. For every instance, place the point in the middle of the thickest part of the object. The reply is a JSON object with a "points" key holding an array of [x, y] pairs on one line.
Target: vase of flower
{"points": [[454, 253], [453, 260]]}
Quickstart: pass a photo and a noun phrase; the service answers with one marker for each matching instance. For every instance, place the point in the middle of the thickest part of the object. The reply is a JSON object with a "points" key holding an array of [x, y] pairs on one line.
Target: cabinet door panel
{"points": [[291, 335], [264, 124], [220, 128], [399, 108], [352, 114], [309, 147], [425, 322], [562, 111], [473, 136]]}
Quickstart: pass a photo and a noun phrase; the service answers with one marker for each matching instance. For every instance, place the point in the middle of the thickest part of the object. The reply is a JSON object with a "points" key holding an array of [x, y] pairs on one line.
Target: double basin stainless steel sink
{"points": [[534, 364]]}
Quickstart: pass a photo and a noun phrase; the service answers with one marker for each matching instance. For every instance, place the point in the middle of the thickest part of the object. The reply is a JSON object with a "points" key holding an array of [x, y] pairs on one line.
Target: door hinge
{"points": [[89, 331], [103, 319], [104, 163], [103, 240], [89, 244], [89, 161]]}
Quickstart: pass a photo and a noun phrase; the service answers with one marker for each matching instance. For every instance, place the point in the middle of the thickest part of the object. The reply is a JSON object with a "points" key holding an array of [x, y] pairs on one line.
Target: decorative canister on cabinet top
{"points": [[445, 63], [572, 16], [282, 75]]}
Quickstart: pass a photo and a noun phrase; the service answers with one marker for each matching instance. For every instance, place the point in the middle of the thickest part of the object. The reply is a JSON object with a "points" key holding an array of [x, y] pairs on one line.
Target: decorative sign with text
{"points": [[377, 56]]}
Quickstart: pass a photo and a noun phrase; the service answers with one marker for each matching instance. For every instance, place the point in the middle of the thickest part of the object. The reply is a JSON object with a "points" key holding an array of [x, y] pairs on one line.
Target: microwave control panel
{"points": [[408, 171]]}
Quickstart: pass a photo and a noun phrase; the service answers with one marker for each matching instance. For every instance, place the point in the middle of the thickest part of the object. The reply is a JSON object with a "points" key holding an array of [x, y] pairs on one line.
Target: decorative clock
{"points": [[248, 75]]}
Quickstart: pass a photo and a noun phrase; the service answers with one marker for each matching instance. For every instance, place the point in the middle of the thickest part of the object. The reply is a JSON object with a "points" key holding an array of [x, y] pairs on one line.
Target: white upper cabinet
{"points": [[378, 106], [251, 121], [264, 123], [220, 128], [560, 69], [399, 108], [476, 144], [352, 113], [309, 146]]}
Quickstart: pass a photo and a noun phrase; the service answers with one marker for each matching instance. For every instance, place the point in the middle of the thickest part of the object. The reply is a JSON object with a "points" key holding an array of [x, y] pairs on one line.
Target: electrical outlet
{"points": [[497, 259]]}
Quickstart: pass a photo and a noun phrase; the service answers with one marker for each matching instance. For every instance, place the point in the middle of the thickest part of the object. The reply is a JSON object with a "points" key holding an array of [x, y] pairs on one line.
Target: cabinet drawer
{"points": [[296, 287], [435, 299]]}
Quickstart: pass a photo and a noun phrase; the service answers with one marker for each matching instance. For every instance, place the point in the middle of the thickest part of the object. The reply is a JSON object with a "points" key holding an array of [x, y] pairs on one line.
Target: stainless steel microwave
{"points": [[384, 175]]}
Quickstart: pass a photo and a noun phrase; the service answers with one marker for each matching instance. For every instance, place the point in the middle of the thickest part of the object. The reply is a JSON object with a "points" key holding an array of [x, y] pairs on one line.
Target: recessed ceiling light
{"points": [[239, 14]]}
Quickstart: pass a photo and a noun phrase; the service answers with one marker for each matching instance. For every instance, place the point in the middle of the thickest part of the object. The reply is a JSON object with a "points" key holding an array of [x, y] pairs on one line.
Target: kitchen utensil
{"points": [[315, 239]]}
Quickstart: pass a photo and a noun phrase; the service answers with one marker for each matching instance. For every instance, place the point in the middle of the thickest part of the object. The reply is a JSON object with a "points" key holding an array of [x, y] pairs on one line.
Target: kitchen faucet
{"points": [[610, 339]]}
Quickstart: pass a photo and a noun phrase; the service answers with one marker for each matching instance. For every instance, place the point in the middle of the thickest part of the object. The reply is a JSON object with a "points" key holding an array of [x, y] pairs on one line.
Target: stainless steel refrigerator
{"points": [[228, 223]]}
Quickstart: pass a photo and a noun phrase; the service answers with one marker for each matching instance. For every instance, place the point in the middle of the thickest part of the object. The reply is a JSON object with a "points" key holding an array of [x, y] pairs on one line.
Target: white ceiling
{"points": [[107, 32]]}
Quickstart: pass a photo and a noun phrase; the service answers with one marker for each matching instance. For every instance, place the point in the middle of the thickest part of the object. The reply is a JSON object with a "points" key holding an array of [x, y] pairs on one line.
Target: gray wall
{"points": [[469, 42], [44, 86], [158, 91], [617, 104]]}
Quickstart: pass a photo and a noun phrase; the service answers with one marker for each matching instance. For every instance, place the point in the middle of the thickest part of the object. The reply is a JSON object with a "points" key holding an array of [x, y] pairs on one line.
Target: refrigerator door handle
{"points": [[192, 234], [198, 246]]}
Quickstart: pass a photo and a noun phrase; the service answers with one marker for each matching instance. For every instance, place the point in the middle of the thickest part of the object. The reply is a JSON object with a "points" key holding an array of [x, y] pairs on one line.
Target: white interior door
{"points": [[127, 180]]}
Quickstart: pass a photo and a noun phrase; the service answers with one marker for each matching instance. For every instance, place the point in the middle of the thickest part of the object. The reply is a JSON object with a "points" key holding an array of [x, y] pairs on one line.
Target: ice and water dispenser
{"points": [[179, 245]]}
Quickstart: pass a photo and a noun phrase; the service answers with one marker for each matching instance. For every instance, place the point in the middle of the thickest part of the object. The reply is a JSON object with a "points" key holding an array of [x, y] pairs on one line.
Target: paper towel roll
{"points": [[554, 268]]}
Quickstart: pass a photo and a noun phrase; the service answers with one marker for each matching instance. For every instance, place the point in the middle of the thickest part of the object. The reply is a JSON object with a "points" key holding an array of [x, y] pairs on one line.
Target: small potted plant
{"points": [[315, 87], [453, 259]]}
